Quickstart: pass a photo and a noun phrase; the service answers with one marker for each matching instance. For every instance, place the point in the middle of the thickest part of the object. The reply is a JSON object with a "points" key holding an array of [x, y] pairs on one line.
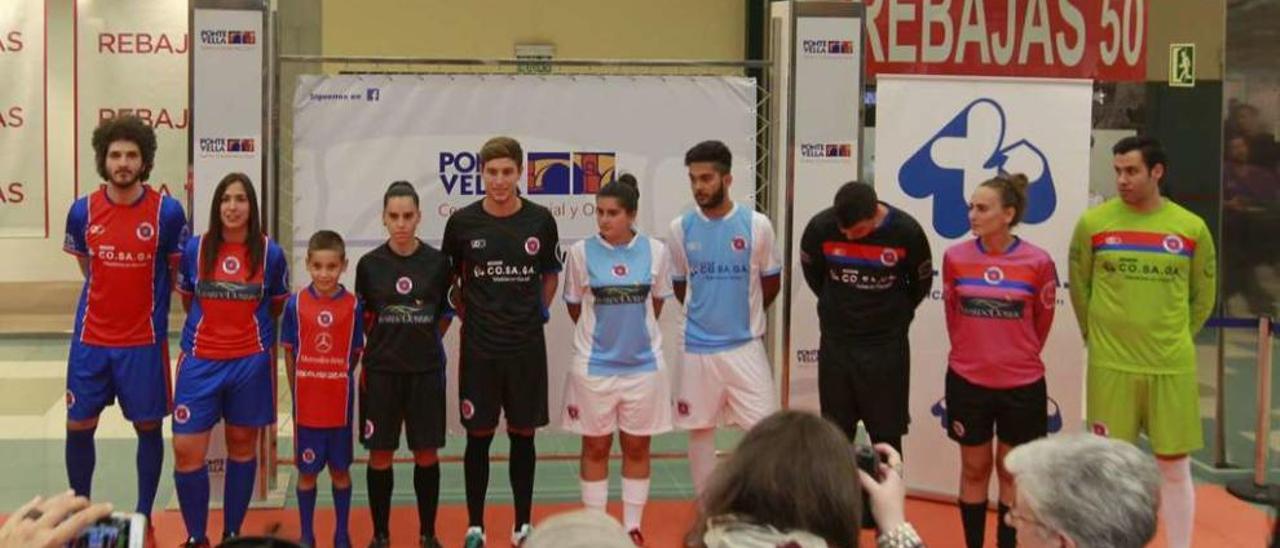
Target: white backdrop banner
{"points": [[131, 58], [227, 100], [937, 139], [24, 208], [824, 155], [354, 135]]}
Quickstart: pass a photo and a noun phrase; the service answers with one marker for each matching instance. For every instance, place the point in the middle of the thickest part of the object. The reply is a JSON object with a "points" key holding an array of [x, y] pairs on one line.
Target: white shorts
{"points": [[730, 387], [638, 404]]}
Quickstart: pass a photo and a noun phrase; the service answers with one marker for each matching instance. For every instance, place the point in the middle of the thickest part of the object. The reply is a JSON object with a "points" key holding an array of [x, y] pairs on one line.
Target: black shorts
{"points": [[514, 384], [415, 399], [975, 413], [867, 382]]}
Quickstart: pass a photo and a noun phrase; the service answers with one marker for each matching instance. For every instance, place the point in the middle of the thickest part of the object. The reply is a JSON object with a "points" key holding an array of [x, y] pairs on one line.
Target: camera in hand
{"points": [[119, 530], [868, 460]]}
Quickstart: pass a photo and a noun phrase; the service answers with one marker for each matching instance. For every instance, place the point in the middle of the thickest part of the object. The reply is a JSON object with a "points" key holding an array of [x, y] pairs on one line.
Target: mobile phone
{"points": [[119, 530], [869, 460]]}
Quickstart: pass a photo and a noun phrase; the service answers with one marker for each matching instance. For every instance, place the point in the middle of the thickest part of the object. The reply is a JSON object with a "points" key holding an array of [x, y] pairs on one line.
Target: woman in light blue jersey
{"points": [[615, 283]]}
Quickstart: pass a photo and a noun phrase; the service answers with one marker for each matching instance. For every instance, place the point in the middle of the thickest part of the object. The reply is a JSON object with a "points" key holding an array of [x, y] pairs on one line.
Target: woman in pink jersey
{"points": [[999, 294]]}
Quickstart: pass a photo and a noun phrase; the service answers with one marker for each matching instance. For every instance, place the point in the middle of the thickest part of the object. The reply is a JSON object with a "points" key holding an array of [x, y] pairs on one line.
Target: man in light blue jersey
{"points": [[725, 270]]}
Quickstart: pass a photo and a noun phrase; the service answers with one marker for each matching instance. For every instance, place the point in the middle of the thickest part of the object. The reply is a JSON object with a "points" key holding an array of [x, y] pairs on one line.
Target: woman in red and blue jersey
{"points": [[234, 282], [999, 294]]}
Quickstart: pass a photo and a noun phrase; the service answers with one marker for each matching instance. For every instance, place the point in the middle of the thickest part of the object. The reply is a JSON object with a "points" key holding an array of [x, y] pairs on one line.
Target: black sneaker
{"points": [[428, 541], [380, 542]]}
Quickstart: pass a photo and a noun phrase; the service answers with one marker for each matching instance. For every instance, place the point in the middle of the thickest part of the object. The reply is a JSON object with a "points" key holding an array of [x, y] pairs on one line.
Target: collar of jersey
{"points": [[141, 197], [635, 236], [1016, 242], [311, 288], [704, 216]]}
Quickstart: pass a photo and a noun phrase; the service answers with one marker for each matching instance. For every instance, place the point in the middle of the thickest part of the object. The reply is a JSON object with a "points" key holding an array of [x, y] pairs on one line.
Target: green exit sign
{"points": [[1182, 65]]}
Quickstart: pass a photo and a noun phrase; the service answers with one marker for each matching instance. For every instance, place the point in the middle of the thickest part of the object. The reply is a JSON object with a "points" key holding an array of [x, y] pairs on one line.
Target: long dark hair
{"points": [[793, 471], [213, 237]]}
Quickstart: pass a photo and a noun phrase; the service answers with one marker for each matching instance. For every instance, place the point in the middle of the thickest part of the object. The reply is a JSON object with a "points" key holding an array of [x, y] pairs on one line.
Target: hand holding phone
{"points": [[50, 522], [118, 530]]}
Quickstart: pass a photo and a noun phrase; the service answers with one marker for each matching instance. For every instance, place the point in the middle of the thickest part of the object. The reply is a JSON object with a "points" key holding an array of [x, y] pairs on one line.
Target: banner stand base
{"points": [[1246, 489]]}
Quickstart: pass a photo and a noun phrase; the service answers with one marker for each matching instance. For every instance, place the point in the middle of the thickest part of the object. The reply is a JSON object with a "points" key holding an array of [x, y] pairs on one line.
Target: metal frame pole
{"points": [[1255, 488]]}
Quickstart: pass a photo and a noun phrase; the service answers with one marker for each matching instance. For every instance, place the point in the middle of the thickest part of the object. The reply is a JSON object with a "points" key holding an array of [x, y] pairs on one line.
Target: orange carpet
{"points": [[1221, 521]]}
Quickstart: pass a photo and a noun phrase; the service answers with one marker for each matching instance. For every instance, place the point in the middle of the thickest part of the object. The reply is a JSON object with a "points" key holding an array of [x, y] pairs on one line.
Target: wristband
{"points": [[902, 536]]}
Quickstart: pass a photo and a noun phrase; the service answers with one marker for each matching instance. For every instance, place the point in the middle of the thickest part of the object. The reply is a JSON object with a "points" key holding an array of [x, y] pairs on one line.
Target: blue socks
{"points": [[193, 497], [149, 460], [341, 515], [236, 494], [306, 513], [80, 459]]}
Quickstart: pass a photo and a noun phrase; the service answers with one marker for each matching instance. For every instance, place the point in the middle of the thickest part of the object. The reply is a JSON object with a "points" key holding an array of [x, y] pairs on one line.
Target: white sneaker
{"points": [[474, 538], [520, 535]]}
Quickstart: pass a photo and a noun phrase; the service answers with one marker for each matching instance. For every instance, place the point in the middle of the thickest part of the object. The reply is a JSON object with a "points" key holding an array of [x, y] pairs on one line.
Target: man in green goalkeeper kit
{"points": [[1142, 273]]}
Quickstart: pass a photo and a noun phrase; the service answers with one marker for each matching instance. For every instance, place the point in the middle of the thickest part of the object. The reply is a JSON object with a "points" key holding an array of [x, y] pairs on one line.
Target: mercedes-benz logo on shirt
{"points": [[620, 271], [231, 265], [532, 245], [145, 231], [993, 275], [404, 285], [889, 257], [324, 342], [1172, 244], [739, 243], [324, 318]]}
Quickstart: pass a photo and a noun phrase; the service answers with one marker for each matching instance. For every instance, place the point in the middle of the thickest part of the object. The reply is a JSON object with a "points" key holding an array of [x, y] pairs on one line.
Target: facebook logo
{"points": [[372, 94]]}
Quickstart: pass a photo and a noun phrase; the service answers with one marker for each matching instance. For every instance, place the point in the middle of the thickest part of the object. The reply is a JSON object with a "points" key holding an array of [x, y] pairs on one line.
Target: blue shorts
{"points": [[314, 447], [240, 390], [137, 376]]}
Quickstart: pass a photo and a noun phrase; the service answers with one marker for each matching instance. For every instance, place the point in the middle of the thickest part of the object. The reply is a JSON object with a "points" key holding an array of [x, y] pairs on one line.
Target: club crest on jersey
{"points": [[71, 399], [532, 245], [404, 285], [181, 414], [1173, 244], [368, 429], [993, 275], [889, 257], [1100, 429], [231, 265], [467, 409], [682, 407], [620, 270], [739, 243], [308, 456], [573, 411], [324, 318], [324, 342], [958, 428], [145, 231]]}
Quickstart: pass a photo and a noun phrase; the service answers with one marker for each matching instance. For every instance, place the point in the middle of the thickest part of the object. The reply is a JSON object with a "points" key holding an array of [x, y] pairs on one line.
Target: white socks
{"points": [[702, 458], [595, 494], [635, 493], [1177, 501]]}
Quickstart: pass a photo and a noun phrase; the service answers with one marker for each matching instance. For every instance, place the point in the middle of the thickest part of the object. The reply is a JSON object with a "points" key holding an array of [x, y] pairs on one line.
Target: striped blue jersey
{"points": [[617, 332], [722, 261]]}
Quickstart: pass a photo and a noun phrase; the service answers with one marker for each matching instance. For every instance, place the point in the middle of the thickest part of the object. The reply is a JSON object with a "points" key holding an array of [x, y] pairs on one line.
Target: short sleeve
{"points": [[661, 271], [174, 229], [767, 258], [675, 246], [277, 272], [289, 325], [77, 217], [548, 256], [575, 274]]}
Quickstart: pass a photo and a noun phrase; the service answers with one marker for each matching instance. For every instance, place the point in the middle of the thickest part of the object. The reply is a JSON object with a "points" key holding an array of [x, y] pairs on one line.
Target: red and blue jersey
{"points": [[325, 336], [230, 314], [132, 251], [999, 309]]}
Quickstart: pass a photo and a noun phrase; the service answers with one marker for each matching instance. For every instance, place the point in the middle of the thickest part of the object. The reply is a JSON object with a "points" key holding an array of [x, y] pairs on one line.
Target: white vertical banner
{"points": [[131, 58], [821, 154], [937, 139], [354, 135], [227, 101], [24, 207]]}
